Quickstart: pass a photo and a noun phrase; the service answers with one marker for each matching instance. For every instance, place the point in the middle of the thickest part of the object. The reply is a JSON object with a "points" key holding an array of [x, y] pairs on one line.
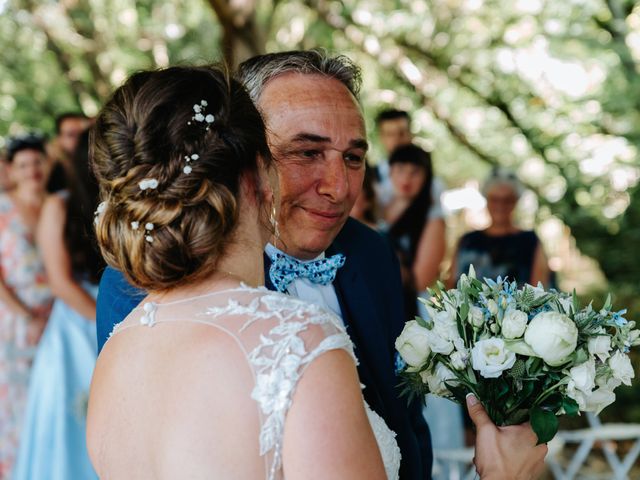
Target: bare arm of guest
{"points": [[429, 255], [57, 261], [540, 269]]}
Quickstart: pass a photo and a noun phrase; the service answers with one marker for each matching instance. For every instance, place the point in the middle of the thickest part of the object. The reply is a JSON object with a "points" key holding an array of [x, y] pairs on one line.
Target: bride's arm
{"points": [[327, 433], [505, 452]]}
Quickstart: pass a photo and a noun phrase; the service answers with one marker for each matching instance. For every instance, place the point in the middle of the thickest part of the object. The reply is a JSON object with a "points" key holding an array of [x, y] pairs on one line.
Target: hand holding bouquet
{"points": [[527, 354]]}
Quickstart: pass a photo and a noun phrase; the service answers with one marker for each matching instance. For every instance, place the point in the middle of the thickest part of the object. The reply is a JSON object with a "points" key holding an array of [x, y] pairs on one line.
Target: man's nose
{"points": [[334, 180]]}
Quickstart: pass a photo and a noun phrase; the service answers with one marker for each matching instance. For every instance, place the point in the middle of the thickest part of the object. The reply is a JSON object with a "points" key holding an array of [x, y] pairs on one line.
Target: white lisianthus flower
{"points": [[598, 400], [445, 325], [491, 357], [436, 380], [492, 306], [459, 359], [552, 336], [475, 317], [634, 337], [514, 323], [621, 368], [438, 344], [413, 344], [583, 376], [600, 346], [494, 328]]}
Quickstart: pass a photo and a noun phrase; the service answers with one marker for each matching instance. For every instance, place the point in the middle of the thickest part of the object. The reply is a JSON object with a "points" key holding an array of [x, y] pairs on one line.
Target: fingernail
{"points": [[471, 399]]}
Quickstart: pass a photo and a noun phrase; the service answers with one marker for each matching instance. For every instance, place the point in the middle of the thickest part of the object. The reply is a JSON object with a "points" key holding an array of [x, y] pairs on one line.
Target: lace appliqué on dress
{"points": [[281, 357]]}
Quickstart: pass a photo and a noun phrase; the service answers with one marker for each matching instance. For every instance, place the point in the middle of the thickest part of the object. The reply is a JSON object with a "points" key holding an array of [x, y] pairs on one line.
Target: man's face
{"points": [[70, 131], [394, 133], [317, 136]]}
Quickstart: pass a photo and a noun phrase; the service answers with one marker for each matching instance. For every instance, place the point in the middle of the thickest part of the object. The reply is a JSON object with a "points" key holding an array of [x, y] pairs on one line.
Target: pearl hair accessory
{"points": [[102, 206], [201, 115], [148, 227], [148, 183]]}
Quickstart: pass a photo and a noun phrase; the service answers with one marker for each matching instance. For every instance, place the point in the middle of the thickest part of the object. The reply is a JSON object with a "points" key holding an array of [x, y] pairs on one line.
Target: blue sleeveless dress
{"points": [[53, 440]]}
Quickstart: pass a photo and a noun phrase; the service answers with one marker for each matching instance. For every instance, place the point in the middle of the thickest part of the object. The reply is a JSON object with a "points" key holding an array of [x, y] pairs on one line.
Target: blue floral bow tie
{"points": [[285, 269]]}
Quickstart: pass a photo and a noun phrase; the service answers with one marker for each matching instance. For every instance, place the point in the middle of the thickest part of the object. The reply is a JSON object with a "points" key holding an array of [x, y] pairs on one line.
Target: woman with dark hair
{"points": [[25, 297], [416, 234], [53, 443]]}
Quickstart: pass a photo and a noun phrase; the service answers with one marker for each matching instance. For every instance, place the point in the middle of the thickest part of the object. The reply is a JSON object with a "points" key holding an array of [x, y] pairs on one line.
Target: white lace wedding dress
{"points": [[280, 337]]}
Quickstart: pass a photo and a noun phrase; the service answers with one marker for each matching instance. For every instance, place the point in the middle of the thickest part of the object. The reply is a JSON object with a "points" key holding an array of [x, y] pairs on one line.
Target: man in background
{"points": [[69, 128]]}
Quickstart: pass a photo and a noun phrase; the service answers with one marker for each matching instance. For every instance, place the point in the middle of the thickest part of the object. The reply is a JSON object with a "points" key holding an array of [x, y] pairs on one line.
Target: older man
{"points": [[317, 136]]}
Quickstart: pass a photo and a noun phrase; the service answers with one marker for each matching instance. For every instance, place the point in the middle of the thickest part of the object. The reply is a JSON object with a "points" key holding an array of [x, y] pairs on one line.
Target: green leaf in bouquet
{"points": [[570, 406], [544, 423], [581, 355], [553, 403], [464, 311], [608, 304], [422, 322], [459, 392], [534, 366], [576, 303]]}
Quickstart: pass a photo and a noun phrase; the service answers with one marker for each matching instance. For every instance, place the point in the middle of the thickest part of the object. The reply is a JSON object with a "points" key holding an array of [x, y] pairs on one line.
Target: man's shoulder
{"points": [[357, 235]]}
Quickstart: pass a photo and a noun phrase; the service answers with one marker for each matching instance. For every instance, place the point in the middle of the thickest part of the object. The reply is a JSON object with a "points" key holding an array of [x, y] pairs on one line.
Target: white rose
{"points": [[621, 368], [492, 306], [413, 344], [491, 357], [475, 316], [436, 380], [459, 359], [583, 376], [552, 336], [514, 323], [438, 344], [600, 346]]}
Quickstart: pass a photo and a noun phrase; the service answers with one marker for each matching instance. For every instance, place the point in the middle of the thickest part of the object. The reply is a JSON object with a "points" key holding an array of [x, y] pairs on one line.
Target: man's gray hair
{"points": [[256, 72]]}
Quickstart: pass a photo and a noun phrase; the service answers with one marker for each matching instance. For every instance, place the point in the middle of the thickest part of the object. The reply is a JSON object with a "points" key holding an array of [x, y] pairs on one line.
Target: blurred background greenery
{"points": [[549, 88]]}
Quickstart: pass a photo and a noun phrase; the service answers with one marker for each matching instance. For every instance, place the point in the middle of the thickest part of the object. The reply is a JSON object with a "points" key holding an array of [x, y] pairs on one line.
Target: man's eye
{"points": [[353, 158], [310, 153]]}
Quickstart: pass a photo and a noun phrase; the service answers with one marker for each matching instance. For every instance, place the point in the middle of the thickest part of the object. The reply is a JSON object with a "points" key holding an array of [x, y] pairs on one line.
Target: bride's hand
{"points": [[504, 452]]}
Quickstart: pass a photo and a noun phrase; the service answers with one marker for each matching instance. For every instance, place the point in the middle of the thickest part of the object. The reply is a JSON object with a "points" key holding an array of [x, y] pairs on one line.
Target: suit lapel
{"points": [[361, 320], [267, 279]]}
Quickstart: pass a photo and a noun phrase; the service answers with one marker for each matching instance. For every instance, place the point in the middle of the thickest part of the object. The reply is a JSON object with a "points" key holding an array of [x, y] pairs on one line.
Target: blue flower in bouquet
{"points": [[618, 318]]}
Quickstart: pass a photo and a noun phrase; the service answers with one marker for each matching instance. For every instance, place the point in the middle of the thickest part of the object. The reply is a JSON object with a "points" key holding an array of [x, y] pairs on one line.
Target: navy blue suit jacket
{"points": [[370, 294]]}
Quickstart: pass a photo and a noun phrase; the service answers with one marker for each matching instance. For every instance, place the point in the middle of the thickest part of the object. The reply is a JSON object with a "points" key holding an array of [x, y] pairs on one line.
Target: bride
{"points": [[213, 376]]}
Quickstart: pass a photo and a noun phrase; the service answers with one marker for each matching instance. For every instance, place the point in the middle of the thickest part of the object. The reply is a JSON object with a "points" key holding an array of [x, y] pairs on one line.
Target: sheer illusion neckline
{"points": [[242, 287]]}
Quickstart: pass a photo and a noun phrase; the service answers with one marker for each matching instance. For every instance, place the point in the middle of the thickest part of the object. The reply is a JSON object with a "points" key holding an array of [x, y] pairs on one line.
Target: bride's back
{"points": [[201, 388]]}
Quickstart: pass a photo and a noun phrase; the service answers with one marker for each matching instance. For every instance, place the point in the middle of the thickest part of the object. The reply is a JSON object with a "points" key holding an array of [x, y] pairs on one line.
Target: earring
{"points": [[273, 219]]}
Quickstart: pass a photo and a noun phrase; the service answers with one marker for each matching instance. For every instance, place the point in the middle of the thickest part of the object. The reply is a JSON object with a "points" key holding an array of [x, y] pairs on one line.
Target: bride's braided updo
{"points": [[170, 180]]}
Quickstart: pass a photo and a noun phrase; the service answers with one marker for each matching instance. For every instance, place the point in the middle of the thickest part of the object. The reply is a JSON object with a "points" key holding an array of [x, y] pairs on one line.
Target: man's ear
{"points": [[267, 181]]}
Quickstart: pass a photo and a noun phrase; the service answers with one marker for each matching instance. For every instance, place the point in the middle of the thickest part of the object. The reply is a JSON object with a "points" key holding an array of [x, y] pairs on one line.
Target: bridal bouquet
{"points": [[526, 354]]}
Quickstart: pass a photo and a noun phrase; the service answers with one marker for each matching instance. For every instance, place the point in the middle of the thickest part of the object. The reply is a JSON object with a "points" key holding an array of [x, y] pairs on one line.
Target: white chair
{"points": [[605, 435]]}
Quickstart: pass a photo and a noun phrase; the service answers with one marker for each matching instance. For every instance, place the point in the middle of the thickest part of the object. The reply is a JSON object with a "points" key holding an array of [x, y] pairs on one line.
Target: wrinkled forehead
{"points": [[304, 98]]}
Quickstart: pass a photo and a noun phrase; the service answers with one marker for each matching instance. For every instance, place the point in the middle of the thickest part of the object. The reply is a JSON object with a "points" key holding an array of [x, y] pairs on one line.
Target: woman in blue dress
{"points": [[53, 444]]}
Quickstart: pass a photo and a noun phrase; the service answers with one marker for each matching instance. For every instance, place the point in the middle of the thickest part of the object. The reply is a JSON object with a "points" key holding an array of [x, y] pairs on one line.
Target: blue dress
{"points": [[53, 440]]}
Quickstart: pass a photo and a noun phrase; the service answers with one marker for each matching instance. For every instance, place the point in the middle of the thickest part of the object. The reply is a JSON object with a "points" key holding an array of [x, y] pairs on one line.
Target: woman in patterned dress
{"points": [[25, 298]]}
